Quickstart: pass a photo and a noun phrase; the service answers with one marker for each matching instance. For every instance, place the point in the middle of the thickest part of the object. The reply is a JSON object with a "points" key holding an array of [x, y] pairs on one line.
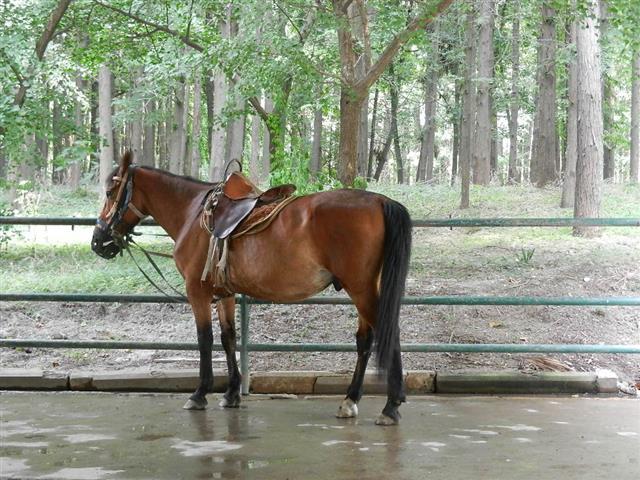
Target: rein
{"points": [[130, 241], [115, 216]]}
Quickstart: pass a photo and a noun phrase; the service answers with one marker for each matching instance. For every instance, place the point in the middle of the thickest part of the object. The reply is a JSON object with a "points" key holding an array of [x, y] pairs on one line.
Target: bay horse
{"points": [[353, 239]]}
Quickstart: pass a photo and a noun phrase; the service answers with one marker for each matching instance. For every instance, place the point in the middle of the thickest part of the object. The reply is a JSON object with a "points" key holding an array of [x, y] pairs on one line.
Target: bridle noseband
{"points": [[119, 208]]}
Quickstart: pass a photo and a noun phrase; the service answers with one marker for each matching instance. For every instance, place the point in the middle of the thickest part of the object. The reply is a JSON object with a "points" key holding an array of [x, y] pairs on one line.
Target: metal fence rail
{"points": [[434, 300], [245, 346], [450, 222], [321, 347]]}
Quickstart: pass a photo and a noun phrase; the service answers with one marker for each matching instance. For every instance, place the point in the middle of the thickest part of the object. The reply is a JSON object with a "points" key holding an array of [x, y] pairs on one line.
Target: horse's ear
{"points": [[125, 161]]}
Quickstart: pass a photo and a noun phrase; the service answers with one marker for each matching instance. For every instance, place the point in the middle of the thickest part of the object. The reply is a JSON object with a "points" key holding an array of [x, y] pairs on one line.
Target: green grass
{"points": [[76, 269]]}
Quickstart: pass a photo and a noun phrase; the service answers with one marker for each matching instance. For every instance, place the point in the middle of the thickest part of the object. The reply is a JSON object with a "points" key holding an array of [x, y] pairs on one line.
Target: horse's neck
{"points": [[169, 200]]}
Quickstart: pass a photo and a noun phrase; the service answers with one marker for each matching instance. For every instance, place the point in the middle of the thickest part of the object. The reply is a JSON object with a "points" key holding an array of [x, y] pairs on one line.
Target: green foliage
{"points": [[525, 255]]}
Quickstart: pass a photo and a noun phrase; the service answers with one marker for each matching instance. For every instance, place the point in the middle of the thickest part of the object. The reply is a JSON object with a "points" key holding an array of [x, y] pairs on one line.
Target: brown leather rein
{"points": [[115, 216]]}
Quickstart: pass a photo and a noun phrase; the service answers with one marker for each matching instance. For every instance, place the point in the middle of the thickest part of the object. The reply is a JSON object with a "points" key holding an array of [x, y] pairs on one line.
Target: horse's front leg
{"points": [[226, 315], [200, 301]]}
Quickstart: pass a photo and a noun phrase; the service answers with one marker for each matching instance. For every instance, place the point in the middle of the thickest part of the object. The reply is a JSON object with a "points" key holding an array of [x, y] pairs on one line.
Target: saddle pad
{"points": [[261, 217]]}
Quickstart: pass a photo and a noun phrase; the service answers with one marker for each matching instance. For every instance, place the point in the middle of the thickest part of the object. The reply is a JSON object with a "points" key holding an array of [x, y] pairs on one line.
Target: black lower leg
{"points": [[395, 392], [205, 343], [232, 395], [363, 344]]}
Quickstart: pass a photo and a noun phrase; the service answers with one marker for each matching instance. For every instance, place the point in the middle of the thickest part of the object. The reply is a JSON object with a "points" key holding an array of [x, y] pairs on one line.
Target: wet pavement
{"points": [[131, 436]]}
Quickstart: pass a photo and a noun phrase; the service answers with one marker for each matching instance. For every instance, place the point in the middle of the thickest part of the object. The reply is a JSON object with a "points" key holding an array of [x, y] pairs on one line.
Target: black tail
{"points": [[395, 266]]}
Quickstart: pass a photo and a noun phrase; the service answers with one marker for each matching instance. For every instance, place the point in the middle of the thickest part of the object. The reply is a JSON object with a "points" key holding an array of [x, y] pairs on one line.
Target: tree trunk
{"points": [[384, 153], [234, 146], [514, 106], [74, 170], [569, 181], [634, 154], [194, 160], [372, 134], [590, 131], [177, 135], [266, 145], [163, 131], [56, 142], [543, 158], [106, 129], [41, 46], [148, 145], [397, 151], [353, 91], [482, 147], [316, 148], [208, 88], [254, 161], [427, 146], [136, 122], [216, 165], [609, 164], [457, 119], [468, 107]]}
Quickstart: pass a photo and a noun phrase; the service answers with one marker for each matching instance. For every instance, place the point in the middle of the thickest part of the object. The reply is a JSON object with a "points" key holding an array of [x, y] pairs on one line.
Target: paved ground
{"points": [[130, 436]]}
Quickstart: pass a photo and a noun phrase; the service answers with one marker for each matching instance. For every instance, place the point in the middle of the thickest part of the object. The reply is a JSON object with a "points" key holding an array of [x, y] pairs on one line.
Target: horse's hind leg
{"points": [[364, 339], [395, 390], [226, 315]]}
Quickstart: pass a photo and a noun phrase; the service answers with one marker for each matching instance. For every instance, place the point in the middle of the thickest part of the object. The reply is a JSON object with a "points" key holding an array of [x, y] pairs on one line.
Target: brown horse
{"points": [[354, 239]]}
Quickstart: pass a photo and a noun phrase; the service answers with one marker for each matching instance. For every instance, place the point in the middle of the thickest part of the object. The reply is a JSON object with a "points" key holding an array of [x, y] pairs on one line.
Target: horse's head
{"points": [[118, 216]]}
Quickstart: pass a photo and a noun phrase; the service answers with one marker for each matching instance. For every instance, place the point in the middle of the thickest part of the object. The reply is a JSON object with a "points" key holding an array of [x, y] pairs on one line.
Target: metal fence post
{"points": [[244, 347]]}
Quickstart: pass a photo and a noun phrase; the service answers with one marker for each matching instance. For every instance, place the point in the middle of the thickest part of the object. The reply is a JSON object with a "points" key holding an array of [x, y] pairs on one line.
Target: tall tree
{"points": [[316, 148], [194, 169], [427, 145], [634, 154], [106, 129], [353, 90], [590, 130], [149, 141], [468, 106], [514, 105], [482, 148], [608, 95], [545, 137], [571, 153]]}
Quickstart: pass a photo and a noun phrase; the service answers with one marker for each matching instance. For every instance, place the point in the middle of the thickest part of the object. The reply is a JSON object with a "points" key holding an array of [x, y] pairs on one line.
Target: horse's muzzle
{"points": [[104, 245]]}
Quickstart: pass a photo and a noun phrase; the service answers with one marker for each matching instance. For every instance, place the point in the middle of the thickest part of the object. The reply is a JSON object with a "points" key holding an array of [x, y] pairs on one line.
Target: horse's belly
{"points": [[279, 272]]}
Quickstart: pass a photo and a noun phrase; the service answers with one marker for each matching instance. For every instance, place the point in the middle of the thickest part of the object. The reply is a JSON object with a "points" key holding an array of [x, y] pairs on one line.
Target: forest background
{"points": [[324, 93]]}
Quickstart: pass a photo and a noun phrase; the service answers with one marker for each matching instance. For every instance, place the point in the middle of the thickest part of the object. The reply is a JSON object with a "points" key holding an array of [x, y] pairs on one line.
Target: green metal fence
{"points": [[244, 303]]}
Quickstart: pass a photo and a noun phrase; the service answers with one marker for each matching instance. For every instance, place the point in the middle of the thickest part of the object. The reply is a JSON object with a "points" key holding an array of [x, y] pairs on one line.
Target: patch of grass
{"points": [[76, 269]]}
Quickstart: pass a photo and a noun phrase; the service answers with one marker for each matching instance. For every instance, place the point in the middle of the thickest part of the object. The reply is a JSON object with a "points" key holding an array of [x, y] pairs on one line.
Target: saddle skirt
{"points": [[238, 203]]}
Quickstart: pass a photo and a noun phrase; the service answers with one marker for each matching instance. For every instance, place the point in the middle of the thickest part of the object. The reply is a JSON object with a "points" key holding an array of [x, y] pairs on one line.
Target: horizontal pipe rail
{"points": [[435, 300], [451, 222], [325, 347]]}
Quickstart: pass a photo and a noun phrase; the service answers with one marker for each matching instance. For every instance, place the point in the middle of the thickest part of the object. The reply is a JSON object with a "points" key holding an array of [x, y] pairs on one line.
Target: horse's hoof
{"points": [[347, 409], [386, 421], [195, 404], [230, 403]]}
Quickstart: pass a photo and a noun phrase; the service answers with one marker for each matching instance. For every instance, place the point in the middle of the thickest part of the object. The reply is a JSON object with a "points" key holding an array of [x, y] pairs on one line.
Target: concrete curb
{"points": [[315, 383]]}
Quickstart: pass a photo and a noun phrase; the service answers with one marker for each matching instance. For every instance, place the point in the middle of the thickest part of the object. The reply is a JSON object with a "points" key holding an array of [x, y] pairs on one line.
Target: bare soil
{"points": [[444, 262]]}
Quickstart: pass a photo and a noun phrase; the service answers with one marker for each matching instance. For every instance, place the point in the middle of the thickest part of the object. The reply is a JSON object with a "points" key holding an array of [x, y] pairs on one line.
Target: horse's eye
{"points": [[109, 194]]}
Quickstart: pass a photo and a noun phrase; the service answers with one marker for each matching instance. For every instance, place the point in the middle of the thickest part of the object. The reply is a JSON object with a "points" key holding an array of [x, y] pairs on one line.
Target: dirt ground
{"points": [[444, 262]]}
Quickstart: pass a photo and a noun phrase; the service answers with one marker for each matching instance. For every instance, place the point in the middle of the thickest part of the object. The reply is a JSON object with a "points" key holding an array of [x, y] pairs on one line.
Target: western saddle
{"points": [[235, 203]]}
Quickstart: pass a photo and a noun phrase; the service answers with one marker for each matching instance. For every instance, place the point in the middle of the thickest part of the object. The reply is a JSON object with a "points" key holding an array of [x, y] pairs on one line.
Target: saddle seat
{"points": [[239, 197]]}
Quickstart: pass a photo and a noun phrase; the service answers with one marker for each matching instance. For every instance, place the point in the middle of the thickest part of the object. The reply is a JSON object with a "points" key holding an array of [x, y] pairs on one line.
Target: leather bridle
{"points": [[120, 206]]}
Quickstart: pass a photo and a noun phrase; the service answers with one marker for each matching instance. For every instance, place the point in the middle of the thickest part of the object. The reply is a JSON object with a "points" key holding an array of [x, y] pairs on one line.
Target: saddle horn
{"points": [[231, 162]]}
